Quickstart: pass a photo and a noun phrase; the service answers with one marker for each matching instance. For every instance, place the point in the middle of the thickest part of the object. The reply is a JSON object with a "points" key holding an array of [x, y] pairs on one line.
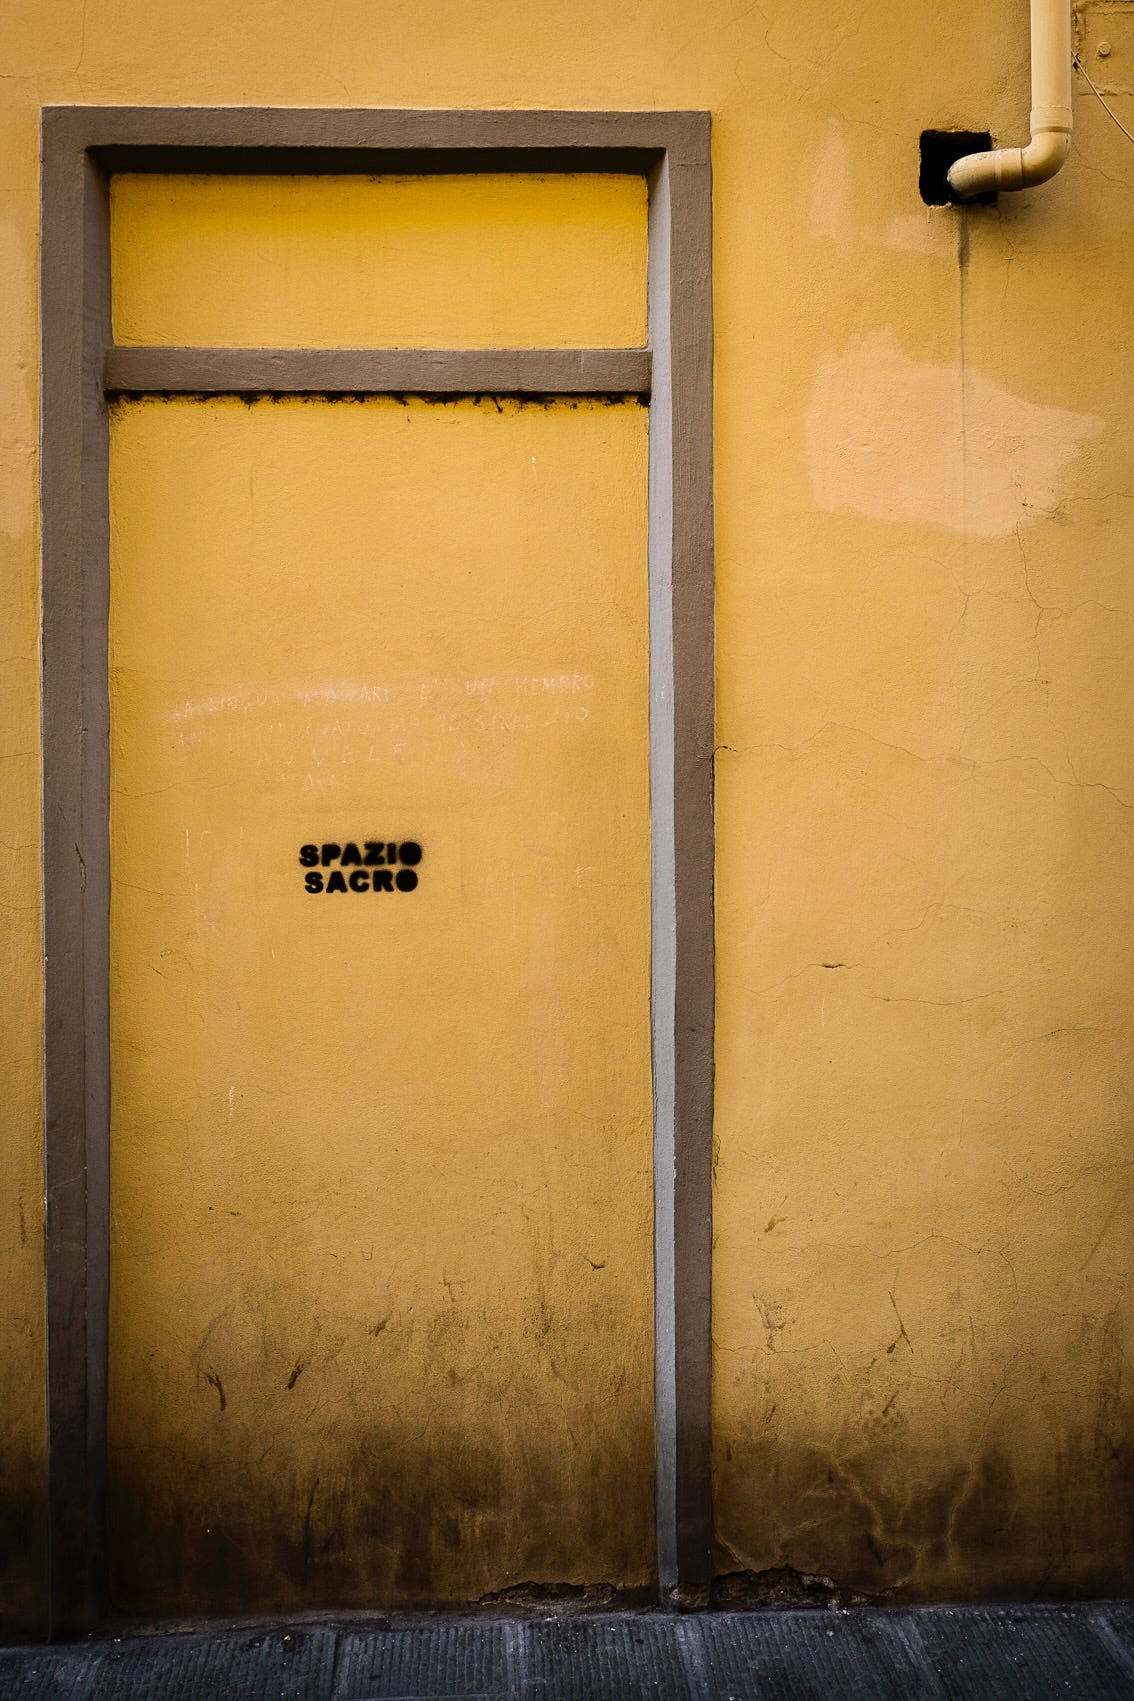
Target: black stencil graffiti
{"points": [[375, 865]]}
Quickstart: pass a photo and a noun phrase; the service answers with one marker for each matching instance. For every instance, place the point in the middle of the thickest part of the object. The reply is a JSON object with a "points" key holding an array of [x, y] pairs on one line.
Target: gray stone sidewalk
{"points": [[1024, 1653]]}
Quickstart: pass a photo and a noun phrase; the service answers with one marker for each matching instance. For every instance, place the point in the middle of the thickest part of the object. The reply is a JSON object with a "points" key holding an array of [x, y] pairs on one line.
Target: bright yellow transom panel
{"points": [[483, 261]]}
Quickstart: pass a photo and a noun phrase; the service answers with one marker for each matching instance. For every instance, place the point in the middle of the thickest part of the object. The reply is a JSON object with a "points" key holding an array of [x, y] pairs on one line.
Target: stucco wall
{"points": [[925, 774]]}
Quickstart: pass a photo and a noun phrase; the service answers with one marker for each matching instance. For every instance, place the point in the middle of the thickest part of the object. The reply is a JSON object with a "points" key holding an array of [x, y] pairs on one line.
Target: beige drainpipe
{"points": [[1020, 168]]}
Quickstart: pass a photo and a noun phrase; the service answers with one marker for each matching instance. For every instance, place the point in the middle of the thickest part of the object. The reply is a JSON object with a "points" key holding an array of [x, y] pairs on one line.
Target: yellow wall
{"points": [[925, 774]]}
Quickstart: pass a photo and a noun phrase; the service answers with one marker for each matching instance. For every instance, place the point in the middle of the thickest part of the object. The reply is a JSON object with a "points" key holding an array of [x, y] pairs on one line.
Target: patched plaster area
{"points": [[934, 443]]}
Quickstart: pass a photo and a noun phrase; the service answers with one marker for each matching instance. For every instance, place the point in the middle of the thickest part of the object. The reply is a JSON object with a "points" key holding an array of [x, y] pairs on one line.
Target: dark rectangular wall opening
{"points": [[939, 150]]}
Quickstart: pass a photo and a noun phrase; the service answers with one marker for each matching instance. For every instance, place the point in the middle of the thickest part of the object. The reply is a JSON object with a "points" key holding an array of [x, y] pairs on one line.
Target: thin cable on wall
{"points": [[1075, 60]]}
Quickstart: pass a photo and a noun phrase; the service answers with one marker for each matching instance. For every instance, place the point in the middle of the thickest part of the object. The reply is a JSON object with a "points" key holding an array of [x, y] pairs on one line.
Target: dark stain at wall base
{"points": [[813, 1527], [23, 1555], [453, 1525]]}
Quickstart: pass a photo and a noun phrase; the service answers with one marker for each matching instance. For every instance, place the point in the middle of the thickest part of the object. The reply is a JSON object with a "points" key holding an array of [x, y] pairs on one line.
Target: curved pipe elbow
{"points": [[1020, 168], [1012, 168]]}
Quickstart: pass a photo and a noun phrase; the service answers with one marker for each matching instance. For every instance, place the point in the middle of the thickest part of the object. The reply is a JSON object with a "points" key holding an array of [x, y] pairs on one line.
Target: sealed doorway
{"points": [[381, 1209], [389, 1168]]}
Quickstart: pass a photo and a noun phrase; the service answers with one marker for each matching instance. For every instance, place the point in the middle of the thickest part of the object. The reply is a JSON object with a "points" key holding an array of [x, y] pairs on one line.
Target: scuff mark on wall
{"points": [[928, 443], [17, 441], [917, 233], [830, 206]]}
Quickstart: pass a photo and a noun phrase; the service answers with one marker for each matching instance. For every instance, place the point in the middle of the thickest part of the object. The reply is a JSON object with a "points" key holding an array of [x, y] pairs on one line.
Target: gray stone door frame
{"points": [[81, 367]]}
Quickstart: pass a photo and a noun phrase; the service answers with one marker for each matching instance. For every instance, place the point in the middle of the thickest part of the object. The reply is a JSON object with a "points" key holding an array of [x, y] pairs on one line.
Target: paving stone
{"points": [[1114, 1621], [261, 1665], [616, 1657], [812, 1656], [434, 1659], [48, 1674], [1026, 1653]]}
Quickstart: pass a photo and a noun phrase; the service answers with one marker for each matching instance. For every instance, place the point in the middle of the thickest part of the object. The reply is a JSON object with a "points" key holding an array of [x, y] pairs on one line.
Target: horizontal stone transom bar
{"points": [[377, 371]]}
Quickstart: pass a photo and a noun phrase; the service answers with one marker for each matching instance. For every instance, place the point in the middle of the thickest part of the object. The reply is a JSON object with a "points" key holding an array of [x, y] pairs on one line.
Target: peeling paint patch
{"points": [[924, 443], [552, 1597], [778, 1589]]}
